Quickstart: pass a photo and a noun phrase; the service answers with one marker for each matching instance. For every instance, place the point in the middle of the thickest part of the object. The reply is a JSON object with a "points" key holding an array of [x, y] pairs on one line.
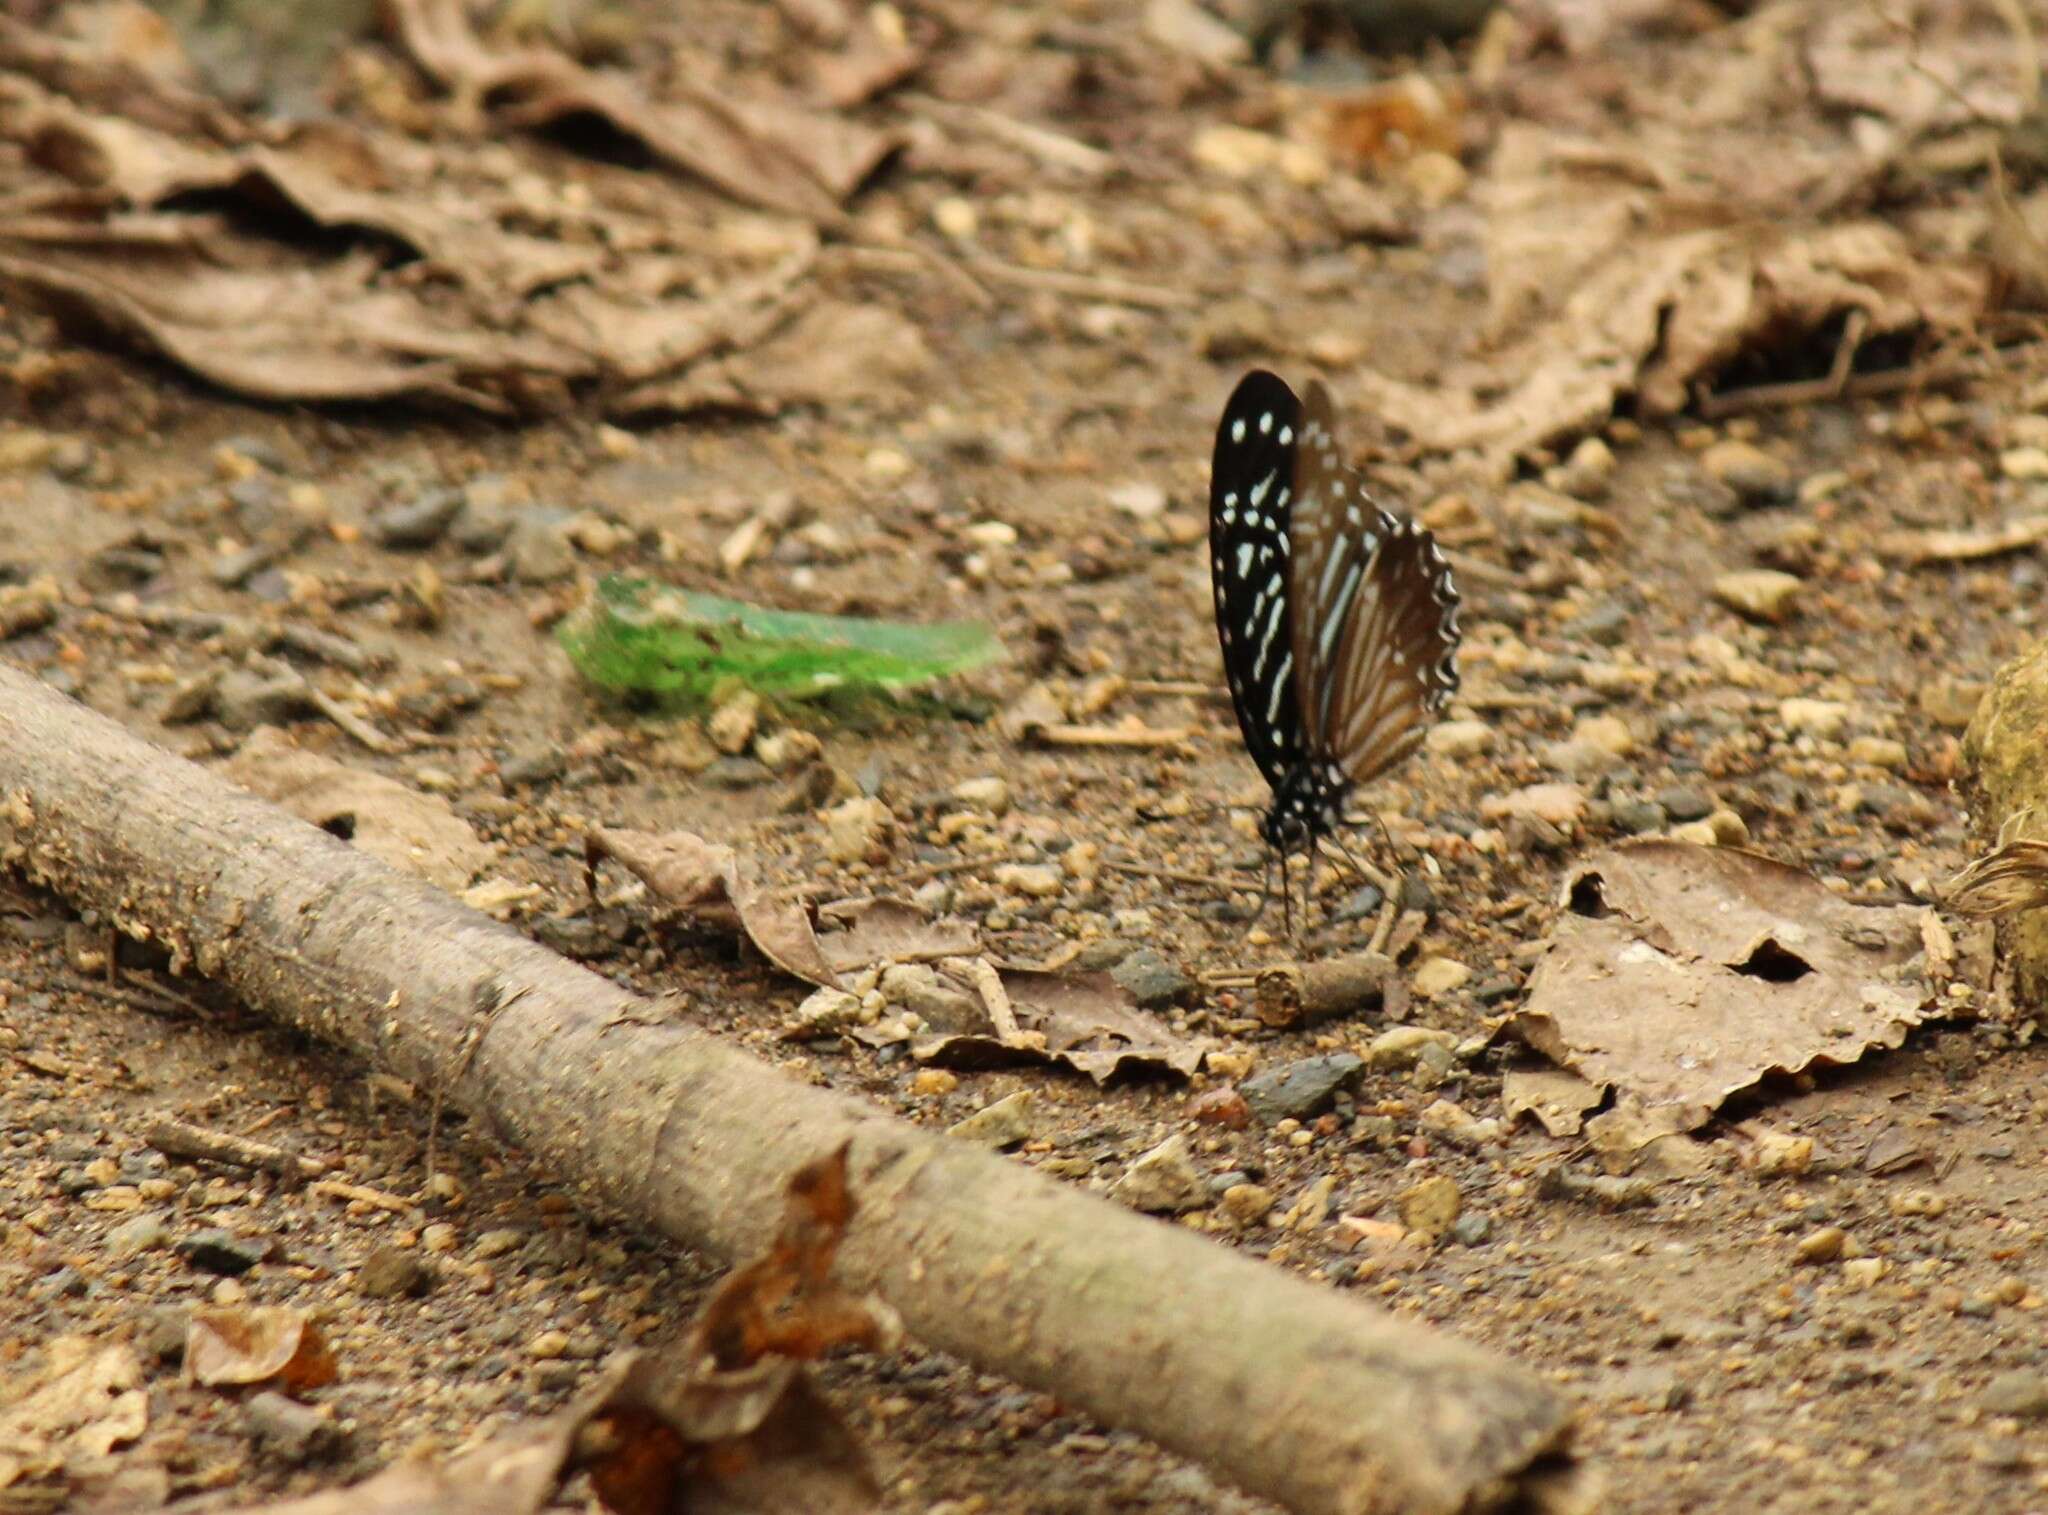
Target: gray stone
{"points": [[1163, 1181], [1638, 816], [162, 1333], [1300, 1089], [219, 1251], [2021, 1392], [290, 1431], [415, 523], [1472, 1230], [1604, 625], [537, 549], [1684, 804], [1151, 980], [1002, 1124], [392, 1272], [132, 1238]]}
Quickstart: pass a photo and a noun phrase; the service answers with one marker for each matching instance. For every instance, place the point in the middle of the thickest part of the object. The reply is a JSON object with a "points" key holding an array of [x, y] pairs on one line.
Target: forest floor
{"points": [[1088, 232]]}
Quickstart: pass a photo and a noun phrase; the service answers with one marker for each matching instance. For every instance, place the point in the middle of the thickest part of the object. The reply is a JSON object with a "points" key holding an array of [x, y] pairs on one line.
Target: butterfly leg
{"points": [[1383, 928]]}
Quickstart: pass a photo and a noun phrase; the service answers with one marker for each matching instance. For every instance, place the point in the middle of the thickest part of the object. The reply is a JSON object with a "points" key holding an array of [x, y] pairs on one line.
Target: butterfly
{"points": [[1338, 619]]}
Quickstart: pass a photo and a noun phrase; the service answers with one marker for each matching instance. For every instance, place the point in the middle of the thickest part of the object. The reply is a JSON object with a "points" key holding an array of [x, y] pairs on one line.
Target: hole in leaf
{"points": [[1774, 964], [343, 826], [1586, 897]]}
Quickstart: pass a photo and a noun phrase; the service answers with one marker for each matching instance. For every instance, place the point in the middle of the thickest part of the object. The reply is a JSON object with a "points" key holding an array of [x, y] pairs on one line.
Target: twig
{"points": [[1936, 371], [180, 1139], [1060, 734], [1087, 286], [357, 1194], [1047, 146], [353, 724]]}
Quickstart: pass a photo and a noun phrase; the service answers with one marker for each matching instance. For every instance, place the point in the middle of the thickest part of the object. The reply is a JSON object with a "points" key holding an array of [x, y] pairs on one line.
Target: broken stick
{"points": [[1295, 1392]]}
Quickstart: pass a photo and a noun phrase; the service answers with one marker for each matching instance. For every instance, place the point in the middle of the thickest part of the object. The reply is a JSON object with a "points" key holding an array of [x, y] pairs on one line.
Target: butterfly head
{"points": [[1308, 803]]}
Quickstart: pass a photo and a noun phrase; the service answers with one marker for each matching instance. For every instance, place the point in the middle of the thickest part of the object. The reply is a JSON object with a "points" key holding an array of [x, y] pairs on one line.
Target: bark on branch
{"points": [[1294, 1392]]}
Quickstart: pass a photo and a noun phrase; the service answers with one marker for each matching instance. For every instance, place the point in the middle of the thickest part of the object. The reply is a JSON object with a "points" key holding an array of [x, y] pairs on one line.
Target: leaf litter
{"points": [[726, 1421], [60, 1424], [1680, 975], [938, 988], [331, 261]]}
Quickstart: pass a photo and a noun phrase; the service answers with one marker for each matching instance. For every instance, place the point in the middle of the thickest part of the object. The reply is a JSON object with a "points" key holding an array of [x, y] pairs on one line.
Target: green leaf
{"points": [[675, 647]]}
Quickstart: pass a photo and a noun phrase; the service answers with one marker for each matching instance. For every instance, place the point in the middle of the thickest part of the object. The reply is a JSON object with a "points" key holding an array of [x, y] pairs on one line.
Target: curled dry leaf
{"points": [[1680, 975], [86, 1400], [1086, 1021], [412, 831], [245, 1345]]}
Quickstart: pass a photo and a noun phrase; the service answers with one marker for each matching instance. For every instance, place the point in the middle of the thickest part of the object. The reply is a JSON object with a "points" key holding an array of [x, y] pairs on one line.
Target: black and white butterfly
{"points": [[1339, 620]]}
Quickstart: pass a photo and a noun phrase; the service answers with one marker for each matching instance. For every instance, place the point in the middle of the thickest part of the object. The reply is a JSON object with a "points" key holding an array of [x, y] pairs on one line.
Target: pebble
{"points": [[1457, 1125], [1605, 625], [163, 1332], [1431, 1207], [2024, 463], [1586, 473], [1164, 1181], [145, 1233], [1246, 1205], [1222, 1106], [1756, 477], [1578, 760], [1860, 1273], [1460, 738], [290, 1431], [1636, 817], [927, 1082], [1560, 805], [497, 1243], [733, 724], [1762, 594], [1472, 1230], [1684, 804], [1398, 1047], [537, 548], [1951, 702], [1435, 976], [24, 450], [991, 794], [1302, 1088], [393, 1272], [549, 1345], [1609, 733], [219, 1251], [1038, 880], [1151, 980], [1819, 718], [860, 830], [1231, 329], [1825, 1245], [2022, 1392], [1878, 752], [1002, 1124], [416, 523]]}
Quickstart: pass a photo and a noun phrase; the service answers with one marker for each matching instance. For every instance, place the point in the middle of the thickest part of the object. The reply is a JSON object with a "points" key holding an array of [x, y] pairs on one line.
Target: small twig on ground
{"points": [[1049, 147], [1103, 287], [1192, 689], [358, 1194], [177, 1138], [1062, 735], [351, 723]]}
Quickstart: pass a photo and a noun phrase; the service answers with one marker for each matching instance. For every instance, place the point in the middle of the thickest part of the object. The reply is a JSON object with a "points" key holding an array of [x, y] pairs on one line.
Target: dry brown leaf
{"points": [[765, 153], [411, 831], [1086, 1021], [830, 354], [1683, 974], [244, 1344], [86, 1399], [1951, 65], [888, 930], [1557, 1097]]}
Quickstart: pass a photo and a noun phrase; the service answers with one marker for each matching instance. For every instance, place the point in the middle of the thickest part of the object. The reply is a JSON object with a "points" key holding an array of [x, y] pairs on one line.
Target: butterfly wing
{"points": [[1251, 489], [1395, 664]]}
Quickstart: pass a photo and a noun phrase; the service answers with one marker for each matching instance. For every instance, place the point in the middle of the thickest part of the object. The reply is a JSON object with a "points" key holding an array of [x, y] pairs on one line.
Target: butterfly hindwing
{"points": [[1251, 491], [1396, 658]]}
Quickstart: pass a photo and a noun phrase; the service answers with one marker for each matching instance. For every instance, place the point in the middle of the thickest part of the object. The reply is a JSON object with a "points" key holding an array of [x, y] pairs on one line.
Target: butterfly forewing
{"points": [[1251, 492], [1396, 656]]}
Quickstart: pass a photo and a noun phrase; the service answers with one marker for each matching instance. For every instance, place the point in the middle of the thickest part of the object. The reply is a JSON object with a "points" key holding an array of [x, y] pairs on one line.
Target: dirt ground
{"points": [[1047, 474]]}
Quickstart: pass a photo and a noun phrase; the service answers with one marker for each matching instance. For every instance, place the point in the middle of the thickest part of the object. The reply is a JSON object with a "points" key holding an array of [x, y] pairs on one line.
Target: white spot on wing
{"points": [[1244, 559], [1265, 422], [1237, 430]]}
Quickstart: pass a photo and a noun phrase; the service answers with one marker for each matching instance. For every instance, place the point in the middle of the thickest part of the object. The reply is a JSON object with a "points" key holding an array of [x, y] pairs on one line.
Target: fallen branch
{"points": [[181, 1139], [1295, 1392]]}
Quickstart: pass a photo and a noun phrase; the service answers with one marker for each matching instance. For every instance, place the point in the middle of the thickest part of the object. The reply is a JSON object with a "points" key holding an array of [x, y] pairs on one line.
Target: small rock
{"points": [[1756, 477], [1602, 625], [538, 549], [1683, 804], [1560, 805], [1860, 1273], [991, 794], [1141, 499], [1636, 817], [1454, 1123], [1222, 1106], [292, 1432], [1164, 1181], [1231, 329], [1246, 1205], [1878, 752], [24, 450], [1762, 594], [1460, 738], [1151, 980], [549, 1345], [219, 1251], [1781, 1155], [1819, 718], [1430, 1208], [1398, 1047], [1823, 1246], [1472, 1230], [163, 1331], [861, 830], [1300, 1089], [2024, 463], [1038, 880], [732, 725], [928, 1082], [1952, 702], [1729, 829], [1002, 1124], [392, 1272], [132, 1238], [1578, 760], [1586, 473], [2022, 1392], [497, 1243], [1438, 975], [1609, 733], [416, 523], [1920, 1202]]}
